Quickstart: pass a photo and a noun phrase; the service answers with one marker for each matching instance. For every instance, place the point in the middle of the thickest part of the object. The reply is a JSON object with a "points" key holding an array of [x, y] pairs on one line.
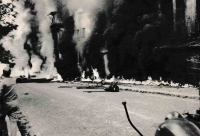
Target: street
{"points": [[54, 111]]}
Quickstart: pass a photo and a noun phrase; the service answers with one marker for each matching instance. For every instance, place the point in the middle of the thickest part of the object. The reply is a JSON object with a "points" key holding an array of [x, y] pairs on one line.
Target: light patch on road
{"points": [[130, 112], [81, 97], [86, 105], [139, 102], [115, 123]]}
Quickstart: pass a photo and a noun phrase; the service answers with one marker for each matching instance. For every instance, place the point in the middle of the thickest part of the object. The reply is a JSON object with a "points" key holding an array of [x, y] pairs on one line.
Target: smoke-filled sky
{"points": [[84, 12], [86, 5], [14, 41], [85, 16]]}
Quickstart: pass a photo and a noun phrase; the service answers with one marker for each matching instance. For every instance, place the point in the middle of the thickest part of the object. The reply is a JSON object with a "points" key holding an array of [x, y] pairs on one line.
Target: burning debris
{"points": [[149, 81]]}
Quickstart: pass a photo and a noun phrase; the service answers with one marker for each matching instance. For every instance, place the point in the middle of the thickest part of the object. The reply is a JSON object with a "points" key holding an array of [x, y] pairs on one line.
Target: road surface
{"points": [[54, 111]]}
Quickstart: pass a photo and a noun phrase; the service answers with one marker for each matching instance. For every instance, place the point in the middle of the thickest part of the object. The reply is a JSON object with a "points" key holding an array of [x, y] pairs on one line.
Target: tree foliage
{"points": [[7, 24]]}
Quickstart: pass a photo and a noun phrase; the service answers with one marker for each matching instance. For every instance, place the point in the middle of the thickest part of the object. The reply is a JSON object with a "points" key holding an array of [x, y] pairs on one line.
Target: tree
{"points": [[7, 18]]}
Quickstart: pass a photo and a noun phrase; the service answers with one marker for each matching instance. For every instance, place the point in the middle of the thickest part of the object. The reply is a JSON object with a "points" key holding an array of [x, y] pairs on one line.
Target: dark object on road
{"points": [[178, 127], [124, 103], [90, 87], [26, 94], [65, 87], [96, 91], [7, 72], [99, 85], [113, 87], [34, 80], [187, 126], [175, 124]]}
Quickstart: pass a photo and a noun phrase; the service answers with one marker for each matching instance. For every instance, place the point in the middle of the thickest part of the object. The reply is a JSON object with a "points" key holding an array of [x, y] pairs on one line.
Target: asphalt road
{"points": [[54, 111]]}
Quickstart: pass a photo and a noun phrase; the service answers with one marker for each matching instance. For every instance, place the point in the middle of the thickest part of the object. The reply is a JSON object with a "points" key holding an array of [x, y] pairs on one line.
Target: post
{"points": [[198, 110], [124, 103], [199, 90]]}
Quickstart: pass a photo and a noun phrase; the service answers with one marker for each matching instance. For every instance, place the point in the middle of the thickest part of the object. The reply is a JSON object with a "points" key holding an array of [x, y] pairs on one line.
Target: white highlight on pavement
{"points": [[140, 115]]}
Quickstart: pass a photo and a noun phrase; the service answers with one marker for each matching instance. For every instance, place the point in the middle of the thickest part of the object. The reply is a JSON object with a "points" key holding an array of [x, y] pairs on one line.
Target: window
{"points": [[77, 33], [83, 32]]}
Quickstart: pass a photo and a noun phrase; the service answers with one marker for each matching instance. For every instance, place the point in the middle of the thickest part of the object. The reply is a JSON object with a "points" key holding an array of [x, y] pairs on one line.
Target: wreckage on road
{"points": [[175, 124]]}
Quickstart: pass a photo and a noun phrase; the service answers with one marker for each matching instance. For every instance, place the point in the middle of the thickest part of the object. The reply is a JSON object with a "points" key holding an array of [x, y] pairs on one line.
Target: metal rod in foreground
{"points": [[124, 103]]}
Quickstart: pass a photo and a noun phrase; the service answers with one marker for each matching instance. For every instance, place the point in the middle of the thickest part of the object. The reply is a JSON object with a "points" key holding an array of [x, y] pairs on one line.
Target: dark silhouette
{"points": [[9, 107]]}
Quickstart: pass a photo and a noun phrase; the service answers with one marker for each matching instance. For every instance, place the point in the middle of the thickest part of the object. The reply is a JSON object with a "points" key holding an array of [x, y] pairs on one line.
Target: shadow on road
{"points": [[99, 91], [65, 87]]}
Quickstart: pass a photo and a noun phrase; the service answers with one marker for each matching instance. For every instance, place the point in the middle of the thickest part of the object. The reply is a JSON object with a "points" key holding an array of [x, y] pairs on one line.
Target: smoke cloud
{"points": [[36, 62], [14, 41], [91, 6], [43, 8], [84, 12], [190, 14]]}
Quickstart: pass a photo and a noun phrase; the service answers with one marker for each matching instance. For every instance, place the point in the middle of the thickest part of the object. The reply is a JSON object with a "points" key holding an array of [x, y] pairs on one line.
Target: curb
{"points": [[161, 93]]}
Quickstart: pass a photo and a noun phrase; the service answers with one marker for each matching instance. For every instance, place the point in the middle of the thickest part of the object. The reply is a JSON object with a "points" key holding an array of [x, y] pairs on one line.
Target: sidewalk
{"points": [[190, 92], [182, 92]]}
